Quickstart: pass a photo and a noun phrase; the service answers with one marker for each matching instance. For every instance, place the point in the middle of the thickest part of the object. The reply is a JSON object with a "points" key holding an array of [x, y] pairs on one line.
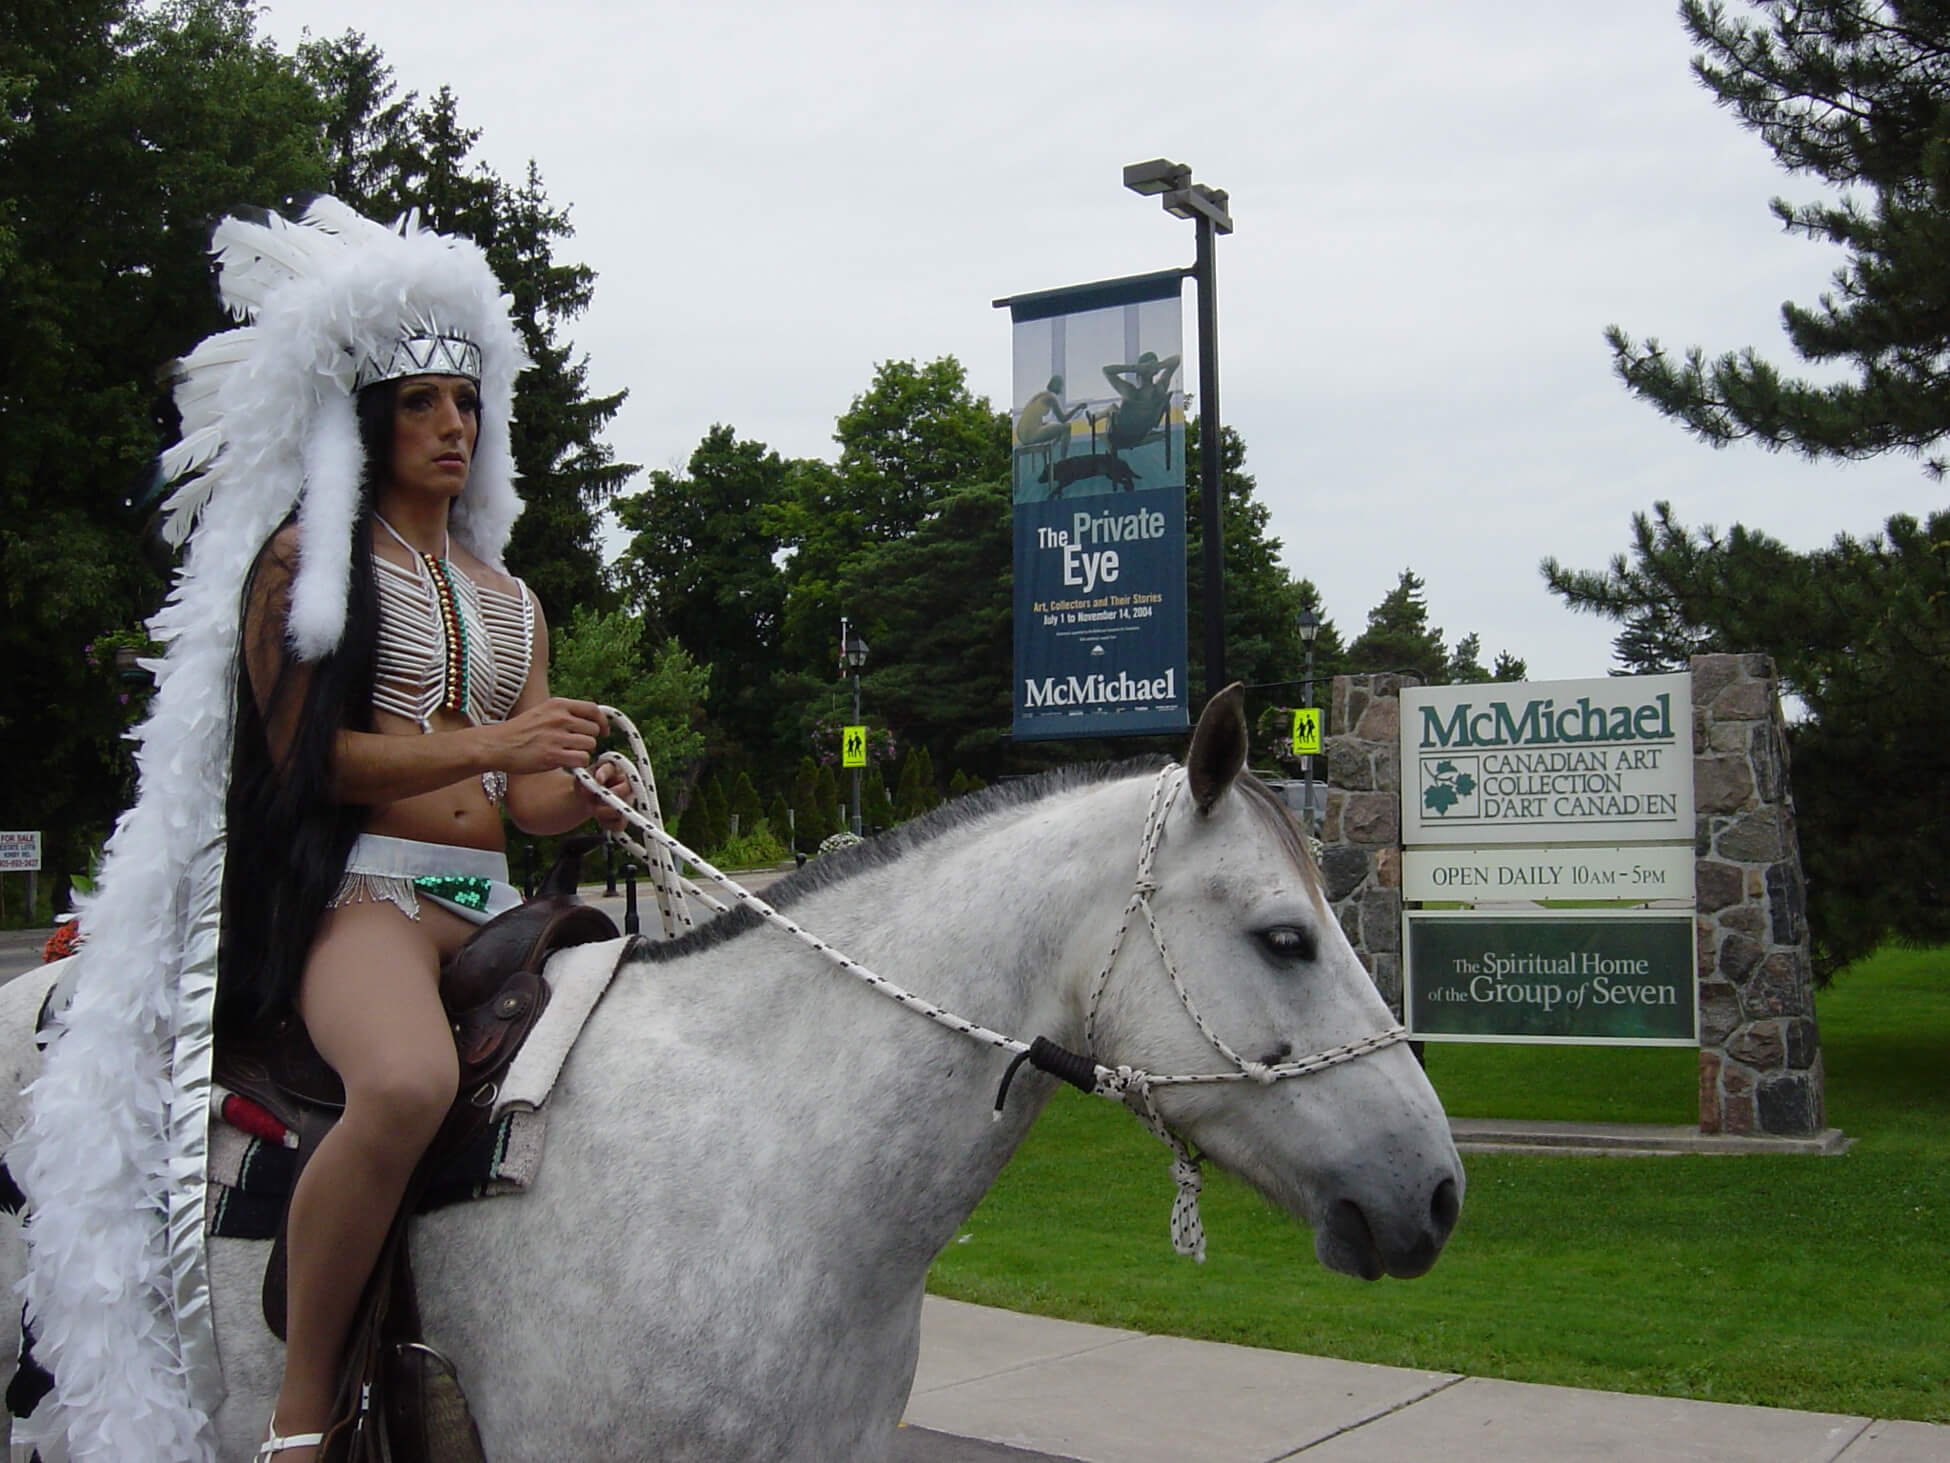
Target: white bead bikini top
{"points": [[448, 643]]}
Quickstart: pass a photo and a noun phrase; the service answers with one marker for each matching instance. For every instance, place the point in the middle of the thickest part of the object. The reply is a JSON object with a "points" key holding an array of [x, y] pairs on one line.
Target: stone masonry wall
{"points": [[1361, 835], [1760, 1069]]}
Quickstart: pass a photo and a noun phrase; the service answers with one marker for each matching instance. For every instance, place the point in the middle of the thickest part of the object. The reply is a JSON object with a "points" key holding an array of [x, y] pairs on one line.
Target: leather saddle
{"points": [[493, 992]]}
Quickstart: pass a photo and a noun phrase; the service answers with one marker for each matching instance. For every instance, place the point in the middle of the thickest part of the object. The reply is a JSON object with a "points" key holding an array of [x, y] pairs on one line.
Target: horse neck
{"points": [[1001, 923]]}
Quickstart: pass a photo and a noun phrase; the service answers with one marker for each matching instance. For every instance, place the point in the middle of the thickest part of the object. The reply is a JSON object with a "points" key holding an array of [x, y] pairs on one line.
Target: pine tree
{"points": [[423, 159], [1856, 93], [744, 801], [1399, 636], [126, 130], [876, 808], [832, 820], [717, 814], [810, 819], [1860, 632], [778, 815]]}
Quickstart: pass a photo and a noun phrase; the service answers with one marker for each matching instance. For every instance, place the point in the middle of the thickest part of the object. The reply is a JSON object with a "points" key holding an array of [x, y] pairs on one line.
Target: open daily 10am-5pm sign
{"points": [[1618, 977]]}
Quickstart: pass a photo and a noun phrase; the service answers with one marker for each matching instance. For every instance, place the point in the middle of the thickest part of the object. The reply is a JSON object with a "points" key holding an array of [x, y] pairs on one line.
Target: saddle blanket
{"points": [[252, 1159]]}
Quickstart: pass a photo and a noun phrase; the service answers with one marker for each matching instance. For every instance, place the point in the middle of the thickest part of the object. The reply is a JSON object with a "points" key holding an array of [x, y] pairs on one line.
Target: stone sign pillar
{"points": [[1760, 1071], [1361, 837], [1760, 1068]]}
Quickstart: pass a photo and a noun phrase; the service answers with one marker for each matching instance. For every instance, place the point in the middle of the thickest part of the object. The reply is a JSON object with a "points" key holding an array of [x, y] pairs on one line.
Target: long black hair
{"points": [[287, 833]]}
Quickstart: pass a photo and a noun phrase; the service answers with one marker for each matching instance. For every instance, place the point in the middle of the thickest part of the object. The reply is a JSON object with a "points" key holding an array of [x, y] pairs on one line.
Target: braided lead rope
{"points": [[1164, 792], [1130, 1086], [673, 909]]}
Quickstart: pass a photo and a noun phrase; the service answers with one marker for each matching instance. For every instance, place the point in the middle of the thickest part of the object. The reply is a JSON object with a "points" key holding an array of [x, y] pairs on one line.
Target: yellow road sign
{"points": [[853, 746], [1306, 731]]}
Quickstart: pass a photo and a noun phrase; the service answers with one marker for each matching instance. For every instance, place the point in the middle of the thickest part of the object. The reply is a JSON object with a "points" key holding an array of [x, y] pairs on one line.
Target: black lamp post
{"points": [[853, 658], [1308, 624], [1208, 209]]}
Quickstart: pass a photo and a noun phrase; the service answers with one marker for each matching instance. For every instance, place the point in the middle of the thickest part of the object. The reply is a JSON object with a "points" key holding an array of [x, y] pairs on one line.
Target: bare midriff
{"points": [[458, 814]]}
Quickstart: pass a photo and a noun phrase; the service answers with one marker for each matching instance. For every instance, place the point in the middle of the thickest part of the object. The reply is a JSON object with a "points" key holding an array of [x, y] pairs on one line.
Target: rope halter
{"points": [[1131, 1086]]}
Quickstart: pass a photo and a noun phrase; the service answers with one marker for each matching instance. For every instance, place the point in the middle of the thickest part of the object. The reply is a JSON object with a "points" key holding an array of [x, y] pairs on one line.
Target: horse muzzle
{"points": [[1355, 1241]]}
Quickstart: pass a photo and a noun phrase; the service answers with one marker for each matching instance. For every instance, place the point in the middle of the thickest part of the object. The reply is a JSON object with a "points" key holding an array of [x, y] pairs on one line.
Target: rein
{"points": [[1131, 1086]]}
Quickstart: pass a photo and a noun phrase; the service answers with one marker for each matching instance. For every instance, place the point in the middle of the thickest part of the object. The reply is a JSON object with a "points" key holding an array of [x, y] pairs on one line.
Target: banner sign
{"points": [[20, 852], [1504, 873], [1596, 761], [1604, 977], [1097, 464]]}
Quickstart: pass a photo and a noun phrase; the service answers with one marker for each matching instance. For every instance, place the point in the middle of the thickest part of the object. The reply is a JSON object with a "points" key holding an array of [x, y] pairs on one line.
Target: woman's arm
{"points": [[543, 801], [552, 734], [371, 768]]}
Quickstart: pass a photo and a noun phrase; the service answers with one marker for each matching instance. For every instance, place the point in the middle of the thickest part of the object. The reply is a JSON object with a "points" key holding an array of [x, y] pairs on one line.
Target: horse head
{"points": [[1250, 973]]}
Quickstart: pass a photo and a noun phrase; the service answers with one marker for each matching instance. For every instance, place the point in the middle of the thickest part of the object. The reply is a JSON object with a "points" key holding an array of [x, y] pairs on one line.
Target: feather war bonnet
{"points": [[112, 1156]]}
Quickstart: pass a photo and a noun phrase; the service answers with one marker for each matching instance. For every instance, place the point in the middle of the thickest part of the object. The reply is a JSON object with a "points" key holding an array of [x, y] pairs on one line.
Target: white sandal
{"points": [[274, 1445]]}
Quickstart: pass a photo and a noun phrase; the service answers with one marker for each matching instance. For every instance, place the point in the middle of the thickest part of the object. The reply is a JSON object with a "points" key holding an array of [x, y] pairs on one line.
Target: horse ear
{"points": [[1218, 747]]}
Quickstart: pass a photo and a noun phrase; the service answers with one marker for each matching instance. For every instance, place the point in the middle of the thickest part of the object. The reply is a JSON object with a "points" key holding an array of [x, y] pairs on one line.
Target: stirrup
{"points": [[274, 1445]]}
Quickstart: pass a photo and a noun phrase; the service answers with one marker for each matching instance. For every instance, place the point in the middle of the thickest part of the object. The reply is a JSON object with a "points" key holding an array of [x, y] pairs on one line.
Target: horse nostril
{"points": [[1445, 1206]]}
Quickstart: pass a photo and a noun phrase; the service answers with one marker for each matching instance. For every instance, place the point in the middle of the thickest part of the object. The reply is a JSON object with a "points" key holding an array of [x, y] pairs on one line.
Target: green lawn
{"points": [[1818, 1283]]}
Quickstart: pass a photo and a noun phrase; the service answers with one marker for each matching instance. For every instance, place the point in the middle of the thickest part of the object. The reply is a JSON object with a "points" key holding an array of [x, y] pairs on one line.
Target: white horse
{"points": [[753, 1159]]}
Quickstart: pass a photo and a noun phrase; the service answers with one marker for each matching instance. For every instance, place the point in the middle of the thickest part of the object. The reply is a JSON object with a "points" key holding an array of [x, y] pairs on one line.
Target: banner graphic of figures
{"points": [[1097, 463]]}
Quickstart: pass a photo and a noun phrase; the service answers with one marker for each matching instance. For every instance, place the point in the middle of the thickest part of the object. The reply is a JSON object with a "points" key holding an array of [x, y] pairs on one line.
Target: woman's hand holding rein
{"points": [[558, 735]]}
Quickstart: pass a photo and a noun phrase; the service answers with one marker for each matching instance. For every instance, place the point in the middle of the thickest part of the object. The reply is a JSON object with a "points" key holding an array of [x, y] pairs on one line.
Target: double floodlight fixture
{"points": [[1172, 184]]}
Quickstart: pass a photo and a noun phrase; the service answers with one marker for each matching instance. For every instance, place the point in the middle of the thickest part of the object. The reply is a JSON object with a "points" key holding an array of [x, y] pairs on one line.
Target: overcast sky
{"points": [[1439, 208]]}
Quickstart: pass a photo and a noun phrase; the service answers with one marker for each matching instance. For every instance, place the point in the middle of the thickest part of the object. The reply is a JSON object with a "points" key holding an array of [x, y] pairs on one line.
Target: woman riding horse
{"points": [[390, 701]]}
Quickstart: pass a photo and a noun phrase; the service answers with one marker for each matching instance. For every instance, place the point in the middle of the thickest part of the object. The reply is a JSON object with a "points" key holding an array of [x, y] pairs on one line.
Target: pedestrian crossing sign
{"points": [[853, 746], [1306, 731]]}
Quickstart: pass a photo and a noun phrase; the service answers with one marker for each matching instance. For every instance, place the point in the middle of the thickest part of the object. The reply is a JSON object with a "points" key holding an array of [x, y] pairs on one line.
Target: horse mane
{"points": [[896, 843]]}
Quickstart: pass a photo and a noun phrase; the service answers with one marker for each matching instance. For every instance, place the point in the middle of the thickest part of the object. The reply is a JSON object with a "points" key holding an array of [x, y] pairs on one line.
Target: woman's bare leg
{"points": [[370, 999]]}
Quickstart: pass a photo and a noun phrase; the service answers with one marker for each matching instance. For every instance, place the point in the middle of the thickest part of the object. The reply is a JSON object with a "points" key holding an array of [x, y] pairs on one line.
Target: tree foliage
{"points": [[1857, 94], [1860, 631], [125, 131], [599, 657], [700, 566], [391, 154]]}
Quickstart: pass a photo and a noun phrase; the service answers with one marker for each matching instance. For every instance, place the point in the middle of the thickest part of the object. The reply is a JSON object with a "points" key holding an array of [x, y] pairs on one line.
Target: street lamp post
{"points": [[853, 657], [1208, 208], [1308, 624]]}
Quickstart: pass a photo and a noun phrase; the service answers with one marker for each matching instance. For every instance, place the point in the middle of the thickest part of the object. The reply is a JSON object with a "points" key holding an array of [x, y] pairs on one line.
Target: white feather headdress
{"points": [[112, 1155], [268, 408]]}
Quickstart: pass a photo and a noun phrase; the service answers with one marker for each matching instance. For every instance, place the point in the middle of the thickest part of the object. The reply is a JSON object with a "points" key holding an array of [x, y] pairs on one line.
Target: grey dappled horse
{"points": [[752, 1158]]}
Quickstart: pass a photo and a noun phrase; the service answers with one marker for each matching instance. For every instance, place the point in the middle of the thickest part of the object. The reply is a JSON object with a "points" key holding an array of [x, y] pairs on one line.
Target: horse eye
{"points": [[1289, 942]]}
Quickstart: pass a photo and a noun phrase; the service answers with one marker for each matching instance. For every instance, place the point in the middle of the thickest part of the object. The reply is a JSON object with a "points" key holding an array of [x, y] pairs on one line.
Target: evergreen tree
{"points": [[876, 808], [810, 818], [1262, 597], [717, 814], [424, 160], [827, 792], [1860, 632], [745, 803], [779, 816], [1399, 636], [909, 801], [126, 130], [1856, 93]]}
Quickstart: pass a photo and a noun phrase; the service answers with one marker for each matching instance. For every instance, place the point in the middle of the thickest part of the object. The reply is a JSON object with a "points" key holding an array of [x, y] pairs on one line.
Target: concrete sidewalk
{"points": [[1060, 1390]]}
